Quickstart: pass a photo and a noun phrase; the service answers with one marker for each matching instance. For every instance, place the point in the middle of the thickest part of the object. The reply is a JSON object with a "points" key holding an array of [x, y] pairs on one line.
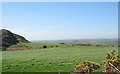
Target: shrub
{"points": [[56, 46], [87, 67], [44, 46], [51, 46], [3, 48], [112, 64]]}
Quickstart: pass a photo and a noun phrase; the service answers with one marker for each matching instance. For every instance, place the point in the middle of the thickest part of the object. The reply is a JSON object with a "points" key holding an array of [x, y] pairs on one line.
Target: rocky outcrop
{"points": [[8, 38]]}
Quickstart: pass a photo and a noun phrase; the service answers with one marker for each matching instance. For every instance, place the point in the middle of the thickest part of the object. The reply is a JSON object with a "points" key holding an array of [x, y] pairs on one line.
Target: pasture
{"points": [[55, 59]]}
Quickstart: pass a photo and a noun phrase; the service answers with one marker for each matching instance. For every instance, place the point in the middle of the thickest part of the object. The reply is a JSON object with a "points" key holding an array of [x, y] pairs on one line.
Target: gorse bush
{"points": [[112, 64], [87, 67]]}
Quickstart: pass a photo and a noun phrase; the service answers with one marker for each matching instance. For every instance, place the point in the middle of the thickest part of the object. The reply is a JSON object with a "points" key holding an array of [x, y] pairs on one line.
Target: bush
{"points": [[87, 67], [56, 46], [51, 46], [3, 48], [44, 46], [112, 64]]}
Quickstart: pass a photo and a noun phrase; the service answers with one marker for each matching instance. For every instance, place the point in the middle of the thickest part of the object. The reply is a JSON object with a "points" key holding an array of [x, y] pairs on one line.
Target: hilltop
{"points": [[8, 38]]}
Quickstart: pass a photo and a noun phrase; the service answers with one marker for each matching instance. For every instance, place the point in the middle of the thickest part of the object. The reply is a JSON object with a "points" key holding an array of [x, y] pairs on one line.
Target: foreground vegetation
{"points": [[60, 59], [111, 65]]}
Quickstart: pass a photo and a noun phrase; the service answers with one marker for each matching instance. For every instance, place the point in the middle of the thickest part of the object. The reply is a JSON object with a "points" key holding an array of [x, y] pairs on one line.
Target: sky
{"points": [[60, 0], [61, 20]]}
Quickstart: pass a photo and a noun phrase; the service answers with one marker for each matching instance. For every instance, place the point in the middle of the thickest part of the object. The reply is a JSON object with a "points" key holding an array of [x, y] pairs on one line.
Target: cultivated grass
{"points": [[60, 59]]}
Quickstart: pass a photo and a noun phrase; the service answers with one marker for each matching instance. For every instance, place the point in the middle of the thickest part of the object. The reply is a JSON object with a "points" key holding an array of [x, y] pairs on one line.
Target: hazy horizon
{"points": [[78, 39], [61, 20]]}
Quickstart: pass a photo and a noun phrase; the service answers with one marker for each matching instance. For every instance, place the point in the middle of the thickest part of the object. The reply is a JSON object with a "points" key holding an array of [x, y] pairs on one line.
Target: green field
{"points": [[36, 44], [56, 59]]}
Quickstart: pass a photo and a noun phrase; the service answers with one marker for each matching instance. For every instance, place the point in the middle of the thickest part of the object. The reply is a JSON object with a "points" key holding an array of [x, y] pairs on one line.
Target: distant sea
{"points": [[82, 41]]}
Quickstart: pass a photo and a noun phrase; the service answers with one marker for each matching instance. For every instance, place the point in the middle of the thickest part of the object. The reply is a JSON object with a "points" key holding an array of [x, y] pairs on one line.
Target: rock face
{"points": [[8, 38]]}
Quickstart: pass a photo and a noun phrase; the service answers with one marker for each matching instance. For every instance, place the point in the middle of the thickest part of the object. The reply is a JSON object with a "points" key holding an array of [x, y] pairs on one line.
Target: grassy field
{"points": [[60, 59], [36, 44]]}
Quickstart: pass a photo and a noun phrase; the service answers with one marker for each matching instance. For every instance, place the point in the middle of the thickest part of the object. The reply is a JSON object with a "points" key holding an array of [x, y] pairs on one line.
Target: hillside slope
{"points": [[8, 38]]}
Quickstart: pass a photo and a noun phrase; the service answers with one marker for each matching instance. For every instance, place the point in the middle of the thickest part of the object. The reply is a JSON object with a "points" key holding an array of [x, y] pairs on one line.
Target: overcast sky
{"points": [[61, 20]]}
